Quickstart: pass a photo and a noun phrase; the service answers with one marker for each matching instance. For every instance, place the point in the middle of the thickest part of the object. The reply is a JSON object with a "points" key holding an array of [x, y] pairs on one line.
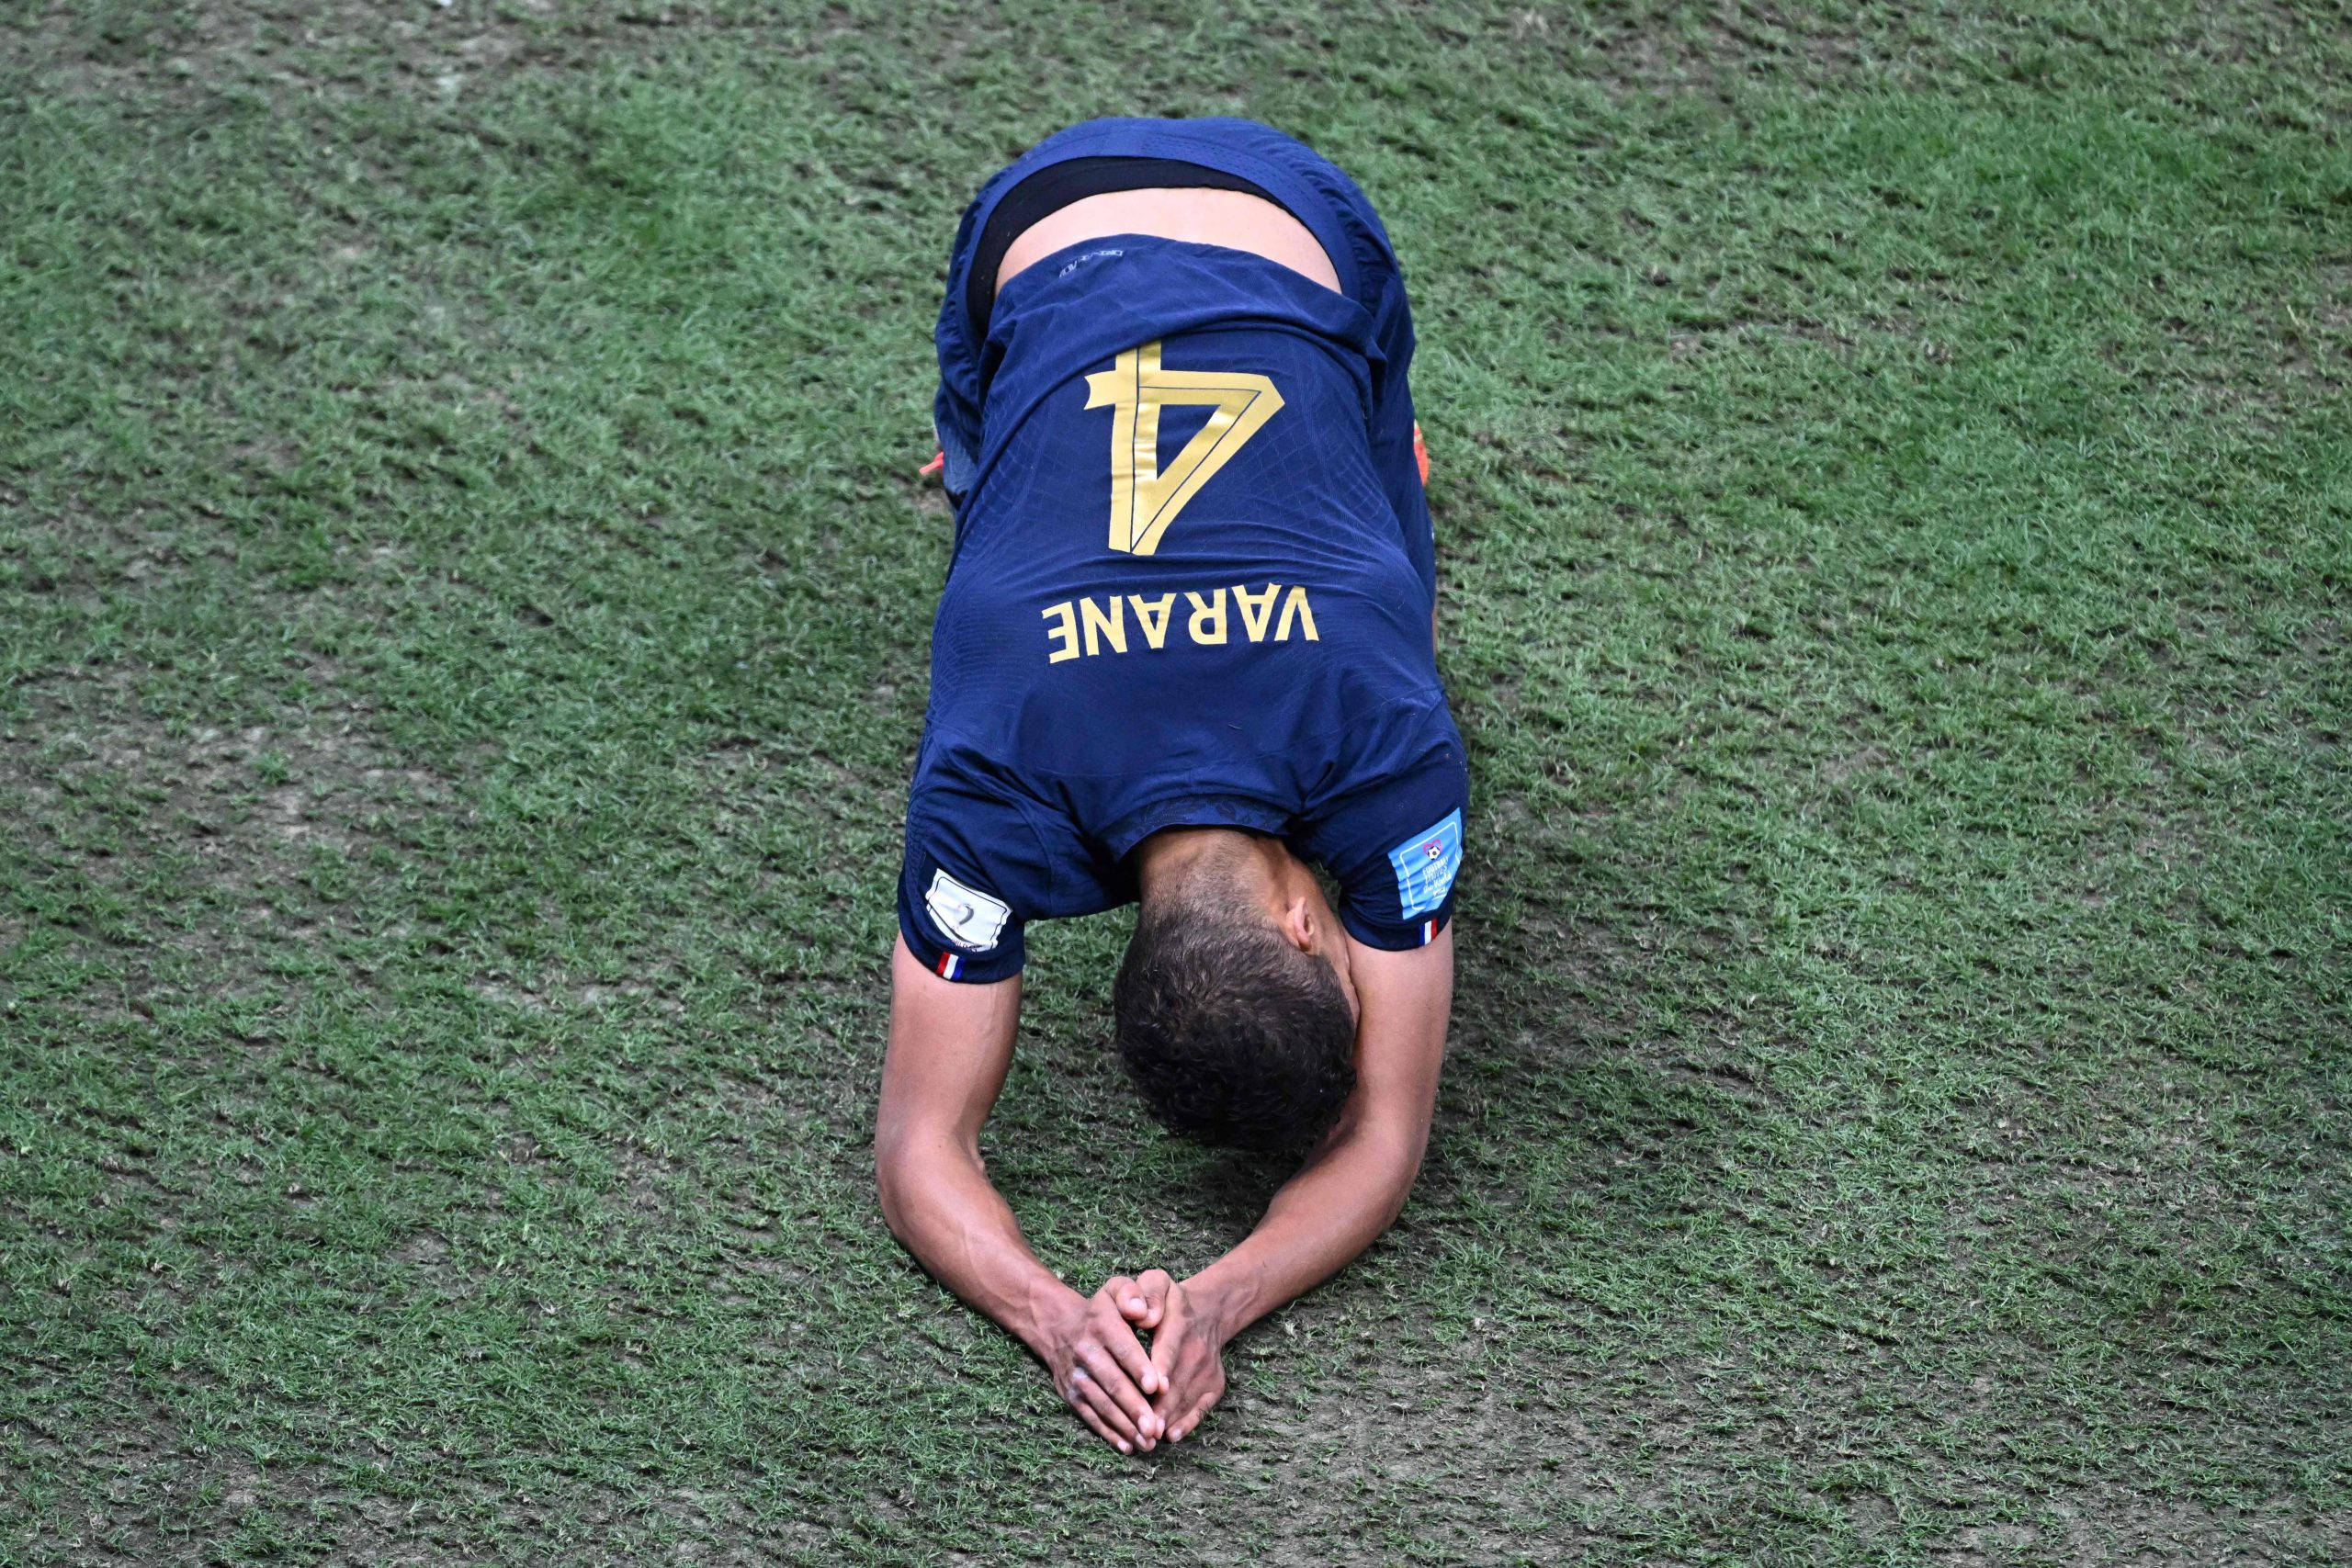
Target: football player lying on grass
{"points": [[1197, 330]]}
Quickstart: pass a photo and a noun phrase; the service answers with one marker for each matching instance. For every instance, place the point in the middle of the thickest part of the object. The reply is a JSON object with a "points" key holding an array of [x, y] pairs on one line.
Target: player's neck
{"points": [[1168, 860]]}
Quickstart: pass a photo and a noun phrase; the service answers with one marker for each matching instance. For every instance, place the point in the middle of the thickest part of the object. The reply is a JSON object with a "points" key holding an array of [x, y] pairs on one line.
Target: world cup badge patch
{"points": [[1426, 864], [971, 918]]}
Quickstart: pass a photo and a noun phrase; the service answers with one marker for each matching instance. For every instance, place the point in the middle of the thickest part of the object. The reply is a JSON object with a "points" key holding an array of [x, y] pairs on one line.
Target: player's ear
{"points": [[1297, 923]]}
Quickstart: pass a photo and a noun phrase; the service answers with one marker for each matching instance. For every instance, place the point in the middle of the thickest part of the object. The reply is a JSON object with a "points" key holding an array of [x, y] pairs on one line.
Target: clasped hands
{"points": [[1132, 1396]]}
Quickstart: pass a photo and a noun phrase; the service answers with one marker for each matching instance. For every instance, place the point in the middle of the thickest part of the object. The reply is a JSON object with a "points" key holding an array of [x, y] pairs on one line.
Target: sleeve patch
{"points": [[1426, 864], [972, 919]]}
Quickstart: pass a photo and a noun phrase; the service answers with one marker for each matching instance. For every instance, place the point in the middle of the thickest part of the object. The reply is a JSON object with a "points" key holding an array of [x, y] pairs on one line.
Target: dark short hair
{"points": [[1233, 1035]]}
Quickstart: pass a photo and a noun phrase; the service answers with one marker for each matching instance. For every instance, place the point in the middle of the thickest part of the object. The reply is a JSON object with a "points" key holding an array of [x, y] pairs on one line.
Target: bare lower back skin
{"points": [[1232, 219]]}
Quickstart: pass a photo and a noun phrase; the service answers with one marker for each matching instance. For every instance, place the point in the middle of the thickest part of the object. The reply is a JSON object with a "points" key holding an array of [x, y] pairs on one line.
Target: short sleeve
{"points": [[972, 875], [1396, 847]]}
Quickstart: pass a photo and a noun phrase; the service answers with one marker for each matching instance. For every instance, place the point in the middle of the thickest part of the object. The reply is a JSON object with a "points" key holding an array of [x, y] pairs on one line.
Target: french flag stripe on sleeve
{"points": [[1429, 933], [948, 963]]}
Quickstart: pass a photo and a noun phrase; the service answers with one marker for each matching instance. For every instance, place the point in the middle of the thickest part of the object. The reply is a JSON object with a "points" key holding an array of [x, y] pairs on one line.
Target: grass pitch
{"points": [[463, 596]]}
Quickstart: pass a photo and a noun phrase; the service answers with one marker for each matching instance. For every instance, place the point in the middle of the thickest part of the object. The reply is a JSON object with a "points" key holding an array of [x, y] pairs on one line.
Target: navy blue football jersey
{"points": [[1181, 595]]}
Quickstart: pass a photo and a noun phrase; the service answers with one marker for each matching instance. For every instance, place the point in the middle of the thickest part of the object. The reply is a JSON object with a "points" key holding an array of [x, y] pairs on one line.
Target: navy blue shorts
{"points": [[1302, 180]]}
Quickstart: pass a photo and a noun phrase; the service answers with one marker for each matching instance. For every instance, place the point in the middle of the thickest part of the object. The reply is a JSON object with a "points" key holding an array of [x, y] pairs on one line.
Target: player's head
{"points": [[1236, 1013]]}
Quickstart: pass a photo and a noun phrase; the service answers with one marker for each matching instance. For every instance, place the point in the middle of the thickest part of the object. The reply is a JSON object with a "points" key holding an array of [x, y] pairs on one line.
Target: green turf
{"points": [[463, 603]]}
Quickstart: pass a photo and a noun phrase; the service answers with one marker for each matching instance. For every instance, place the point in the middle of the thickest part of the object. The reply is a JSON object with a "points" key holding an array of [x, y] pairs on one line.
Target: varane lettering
{"points": [[1297, 601], [1206, 623], [1085, 628], [1065, 631], [1112, 627], [1152, 617], [1257, 609]]}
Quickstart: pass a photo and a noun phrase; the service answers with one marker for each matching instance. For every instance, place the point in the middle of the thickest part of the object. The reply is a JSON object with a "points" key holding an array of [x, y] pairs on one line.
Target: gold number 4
{"points": [[1144, 501]]}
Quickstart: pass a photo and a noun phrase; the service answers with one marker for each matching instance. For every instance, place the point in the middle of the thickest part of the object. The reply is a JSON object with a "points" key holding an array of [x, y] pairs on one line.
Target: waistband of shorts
{"points": [[1045, 191], [1258, 153]]}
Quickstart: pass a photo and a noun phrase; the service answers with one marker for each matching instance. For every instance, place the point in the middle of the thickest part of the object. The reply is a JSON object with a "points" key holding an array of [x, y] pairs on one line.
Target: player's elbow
{"points": [[886, 1188], [896, 1182], [1383, 1156], [1398, 1189], [1396, 1148], [909, 1170], [902, 1189]]}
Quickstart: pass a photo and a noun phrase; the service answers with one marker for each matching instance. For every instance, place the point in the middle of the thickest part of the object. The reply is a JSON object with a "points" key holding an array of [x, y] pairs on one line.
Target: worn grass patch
{"points": [[463, 601]]}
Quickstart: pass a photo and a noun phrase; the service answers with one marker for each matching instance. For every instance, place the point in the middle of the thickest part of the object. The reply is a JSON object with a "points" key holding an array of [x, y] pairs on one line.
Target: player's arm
{"points": [[1354, 1185], [951, 1045], [1350, 1190]]}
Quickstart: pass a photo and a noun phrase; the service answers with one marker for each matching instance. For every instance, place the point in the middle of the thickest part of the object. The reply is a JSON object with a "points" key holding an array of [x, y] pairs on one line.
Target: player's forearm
{"points": [[1337, 1205], [938, 1203]]}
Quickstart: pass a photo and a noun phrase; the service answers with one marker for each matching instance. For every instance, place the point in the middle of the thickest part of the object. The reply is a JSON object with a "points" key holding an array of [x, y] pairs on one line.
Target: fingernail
{"points": [[1134, 1304], [1123, 1445]]}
